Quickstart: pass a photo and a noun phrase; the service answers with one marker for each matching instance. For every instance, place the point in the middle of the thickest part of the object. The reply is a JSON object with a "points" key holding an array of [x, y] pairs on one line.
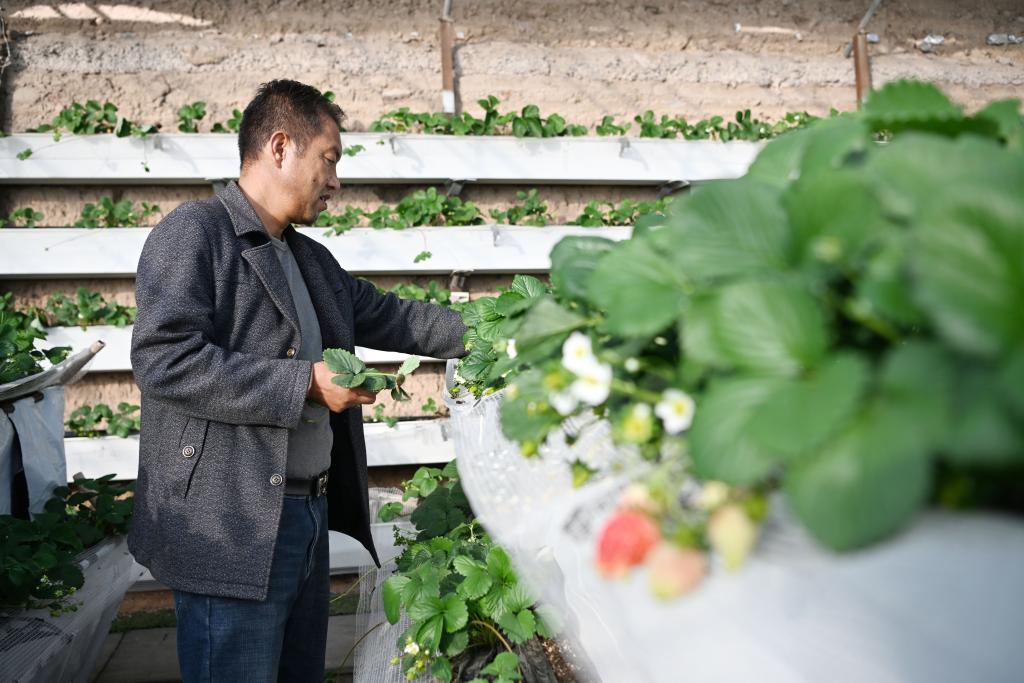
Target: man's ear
{"points": [[278, 146]]}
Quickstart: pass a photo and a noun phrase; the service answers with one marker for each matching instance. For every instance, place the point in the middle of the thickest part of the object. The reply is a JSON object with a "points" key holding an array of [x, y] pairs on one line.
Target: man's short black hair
{"points": [[296, 108]]}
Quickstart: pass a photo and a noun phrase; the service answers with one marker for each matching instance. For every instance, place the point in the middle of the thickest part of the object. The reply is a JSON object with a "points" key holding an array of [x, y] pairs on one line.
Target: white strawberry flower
{"points": [[594, 383], [412, 647], [578, 353], [564, 402], [676, 410], [510, 348]]}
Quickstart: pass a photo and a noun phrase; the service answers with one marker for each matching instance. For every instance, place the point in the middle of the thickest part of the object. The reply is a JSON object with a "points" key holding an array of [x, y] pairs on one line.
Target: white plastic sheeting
{"points": [[32, 441], [32, 429], [941, 602]]}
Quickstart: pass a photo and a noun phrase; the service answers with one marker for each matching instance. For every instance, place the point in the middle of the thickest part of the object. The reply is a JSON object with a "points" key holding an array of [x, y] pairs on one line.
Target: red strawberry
{"points": [[624, 542]]}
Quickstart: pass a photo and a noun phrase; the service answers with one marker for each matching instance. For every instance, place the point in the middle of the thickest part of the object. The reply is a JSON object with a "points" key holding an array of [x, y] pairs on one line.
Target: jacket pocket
{"points": [[190, 449]]}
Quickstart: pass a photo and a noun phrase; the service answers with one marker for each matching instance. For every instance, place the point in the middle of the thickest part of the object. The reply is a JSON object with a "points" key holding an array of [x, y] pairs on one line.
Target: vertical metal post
{"points": [[447, 67], [861, 67]]}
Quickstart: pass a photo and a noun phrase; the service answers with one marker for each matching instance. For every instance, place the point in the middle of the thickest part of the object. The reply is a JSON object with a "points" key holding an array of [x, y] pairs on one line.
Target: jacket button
{"points": [[188, 451], [290, 352], [276, 479]]}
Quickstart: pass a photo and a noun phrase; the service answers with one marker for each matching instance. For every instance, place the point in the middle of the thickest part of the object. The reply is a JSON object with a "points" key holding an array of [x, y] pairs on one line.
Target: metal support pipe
{"points": [[861, 67], [863, 25], [447, 53]]}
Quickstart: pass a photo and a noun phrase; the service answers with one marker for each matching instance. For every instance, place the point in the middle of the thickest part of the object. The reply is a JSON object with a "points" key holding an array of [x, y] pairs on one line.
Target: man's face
{"points": [[310, 179]]}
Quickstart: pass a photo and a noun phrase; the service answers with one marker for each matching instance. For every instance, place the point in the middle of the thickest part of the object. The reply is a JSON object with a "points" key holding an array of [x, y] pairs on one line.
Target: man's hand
{"points": [[335, 397]]}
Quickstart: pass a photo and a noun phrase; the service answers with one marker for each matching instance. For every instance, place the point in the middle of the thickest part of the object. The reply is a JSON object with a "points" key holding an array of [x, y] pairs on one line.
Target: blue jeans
{"points": [[281, 638]]}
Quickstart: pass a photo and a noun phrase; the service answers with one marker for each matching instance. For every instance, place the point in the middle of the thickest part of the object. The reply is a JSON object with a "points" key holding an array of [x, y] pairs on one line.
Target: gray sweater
{"points": [[309, 444]]}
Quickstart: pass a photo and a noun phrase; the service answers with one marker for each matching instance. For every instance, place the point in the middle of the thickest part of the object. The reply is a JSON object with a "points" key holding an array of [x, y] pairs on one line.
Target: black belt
{"points": [[307, 486]]}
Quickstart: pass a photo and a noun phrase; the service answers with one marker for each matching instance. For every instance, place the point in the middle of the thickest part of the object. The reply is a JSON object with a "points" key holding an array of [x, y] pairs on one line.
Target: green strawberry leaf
{"points": [[410, 364], [346, 366], [519, 627], [477, 580], [455, 613], [392, 597]]}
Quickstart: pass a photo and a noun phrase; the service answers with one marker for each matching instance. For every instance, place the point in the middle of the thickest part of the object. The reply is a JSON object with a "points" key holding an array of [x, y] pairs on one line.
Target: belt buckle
{"points": [[321, 485]]}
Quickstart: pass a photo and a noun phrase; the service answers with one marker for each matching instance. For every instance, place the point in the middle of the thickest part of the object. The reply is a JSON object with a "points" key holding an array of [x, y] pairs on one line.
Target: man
{"points": [[242, 429]]}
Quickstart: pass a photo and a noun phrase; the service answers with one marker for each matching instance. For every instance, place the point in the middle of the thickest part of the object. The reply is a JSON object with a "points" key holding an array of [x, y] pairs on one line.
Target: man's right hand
{"points": [[335, 397]]}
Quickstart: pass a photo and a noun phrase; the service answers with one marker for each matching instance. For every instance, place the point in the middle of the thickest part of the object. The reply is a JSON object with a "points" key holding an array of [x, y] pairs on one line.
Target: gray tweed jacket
{"points": [[212, 354]]}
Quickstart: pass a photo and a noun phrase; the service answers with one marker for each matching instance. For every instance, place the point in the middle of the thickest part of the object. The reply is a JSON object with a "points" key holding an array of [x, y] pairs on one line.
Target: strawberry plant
{"points": [[744, 126], [841, 325], [627, 212], [403, 120], [379, 416], [25, 217], [650, 127], [609, 127], [384, 217], [229, 126], [189, 116], [428, 207], [125, 421], [87, 308], [422, 207], [107, 213], [92, 118], [95, 118], [459, 589], [527, 123], [489, 322], [432, 293], [530, 124], [532, 211], [18, 331], [351, 372], [38, 567], [339, 223], [85, 420]]}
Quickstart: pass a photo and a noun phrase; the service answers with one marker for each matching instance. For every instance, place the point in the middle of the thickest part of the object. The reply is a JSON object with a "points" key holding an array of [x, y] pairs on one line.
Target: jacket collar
{"points": [[264, 261], [243, 215]]}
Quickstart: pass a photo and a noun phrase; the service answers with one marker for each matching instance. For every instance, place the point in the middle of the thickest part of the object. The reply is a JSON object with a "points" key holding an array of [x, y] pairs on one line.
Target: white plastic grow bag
{"points": [[941, 602], [32, 440], [32, 429]]}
